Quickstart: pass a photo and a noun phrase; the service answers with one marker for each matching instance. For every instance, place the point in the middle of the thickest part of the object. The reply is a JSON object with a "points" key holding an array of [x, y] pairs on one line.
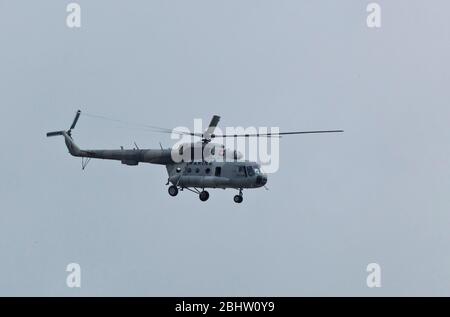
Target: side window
{"points": [[250, 171], [218, 171], [241, 171]]}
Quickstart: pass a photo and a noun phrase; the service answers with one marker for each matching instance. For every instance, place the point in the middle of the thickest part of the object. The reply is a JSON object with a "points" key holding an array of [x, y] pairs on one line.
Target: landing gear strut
{"points": [[204, 195], [173, 190], [238, 198]]}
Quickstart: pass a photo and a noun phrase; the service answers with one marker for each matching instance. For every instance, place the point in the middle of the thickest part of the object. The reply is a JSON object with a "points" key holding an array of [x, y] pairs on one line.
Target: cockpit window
{"points": [[257, 170], [250, 171]]}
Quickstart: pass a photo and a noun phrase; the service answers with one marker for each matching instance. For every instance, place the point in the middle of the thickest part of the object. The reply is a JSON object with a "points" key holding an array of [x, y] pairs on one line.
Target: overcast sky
{"points": [[377, 193]]}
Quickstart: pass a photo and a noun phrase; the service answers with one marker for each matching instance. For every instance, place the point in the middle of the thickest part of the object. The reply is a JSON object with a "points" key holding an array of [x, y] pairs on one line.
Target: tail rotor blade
{"points": [[75, 120], [55, 133]]}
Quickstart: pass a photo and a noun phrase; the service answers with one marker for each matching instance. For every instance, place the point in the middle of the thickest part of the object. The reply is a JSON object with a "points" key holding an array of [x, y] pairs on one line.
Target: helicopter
{"points": [[215, 166]]}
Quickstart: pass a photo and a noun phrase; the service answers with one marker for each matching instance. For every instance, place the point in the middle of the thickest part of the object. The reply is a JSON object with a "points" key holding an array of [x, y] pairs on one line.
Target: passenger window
{"points": [[218, 171], [241, 171]]}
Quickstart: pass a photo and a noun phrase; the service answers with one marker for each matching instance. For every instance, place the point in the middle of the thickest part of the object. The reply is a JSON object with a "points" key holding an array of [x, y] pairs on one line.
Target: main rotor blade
{"points": [[200, 135], [75, 120], [140, 125], [269, 135], [212, 126]]}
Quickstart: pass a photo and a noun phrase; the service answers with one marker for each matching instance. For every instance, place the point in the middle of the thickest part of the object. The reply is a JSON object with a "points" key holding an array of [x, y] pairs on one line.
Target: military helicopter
{"points": [[193, 172]]}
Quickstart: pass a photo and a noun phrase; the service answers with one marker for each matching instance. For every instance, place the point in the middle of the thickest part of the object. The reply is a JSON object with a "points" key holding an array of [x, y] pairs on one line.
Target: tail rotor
{"points": [[69, 132]]}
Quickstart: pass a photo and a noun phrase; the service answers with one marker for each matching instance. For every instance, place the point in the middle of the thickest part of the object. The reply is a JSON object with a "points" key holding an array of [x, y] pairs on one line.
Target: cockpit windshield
{"points": [[251, 171]]}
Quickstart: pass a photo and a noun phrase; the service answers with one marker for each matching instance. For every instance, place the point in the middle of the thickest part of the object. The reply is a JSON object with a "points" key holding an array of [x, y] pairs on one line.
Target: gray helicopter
{"points": [[202, 164]]}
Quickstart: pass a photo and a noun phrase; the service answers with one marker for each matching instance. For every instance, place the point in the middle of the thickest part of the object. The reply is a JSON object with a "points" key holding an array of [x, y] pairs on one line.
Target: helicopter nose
{"points": [[261, 180], [264, 179]]}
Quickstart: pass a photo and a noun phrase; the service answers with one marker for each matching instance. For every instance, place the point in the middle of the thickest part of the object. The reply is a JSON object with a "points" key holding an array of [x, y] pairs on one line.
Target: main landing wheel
{"points": [[173, 190], [238, 199], [204, 195]]}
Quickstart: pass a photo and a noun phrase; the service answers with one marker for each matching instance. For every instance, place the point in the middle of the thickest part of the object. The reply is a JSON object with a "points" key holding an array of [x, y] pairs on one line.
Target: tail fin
{"points": [[71, 146]]}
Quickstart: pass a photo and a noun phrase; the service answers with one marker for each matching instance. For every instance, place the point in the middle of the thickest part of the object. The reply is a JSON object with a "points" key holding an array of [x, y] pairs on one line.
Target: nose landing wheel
{"points": [[204, 195]]}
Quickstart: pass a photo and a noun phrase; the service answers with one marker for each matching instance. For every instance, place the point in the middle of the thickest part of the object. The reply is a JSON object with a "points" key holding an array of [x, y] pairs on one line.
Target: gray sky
{"points": [[377, 193]]}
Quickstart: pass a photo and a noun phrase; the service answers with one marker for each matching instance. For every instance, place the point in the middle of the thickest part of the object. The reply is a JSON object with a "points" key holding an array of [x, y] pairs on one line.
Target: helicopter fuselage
{"points": [[222, 173], [201, 174]]}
